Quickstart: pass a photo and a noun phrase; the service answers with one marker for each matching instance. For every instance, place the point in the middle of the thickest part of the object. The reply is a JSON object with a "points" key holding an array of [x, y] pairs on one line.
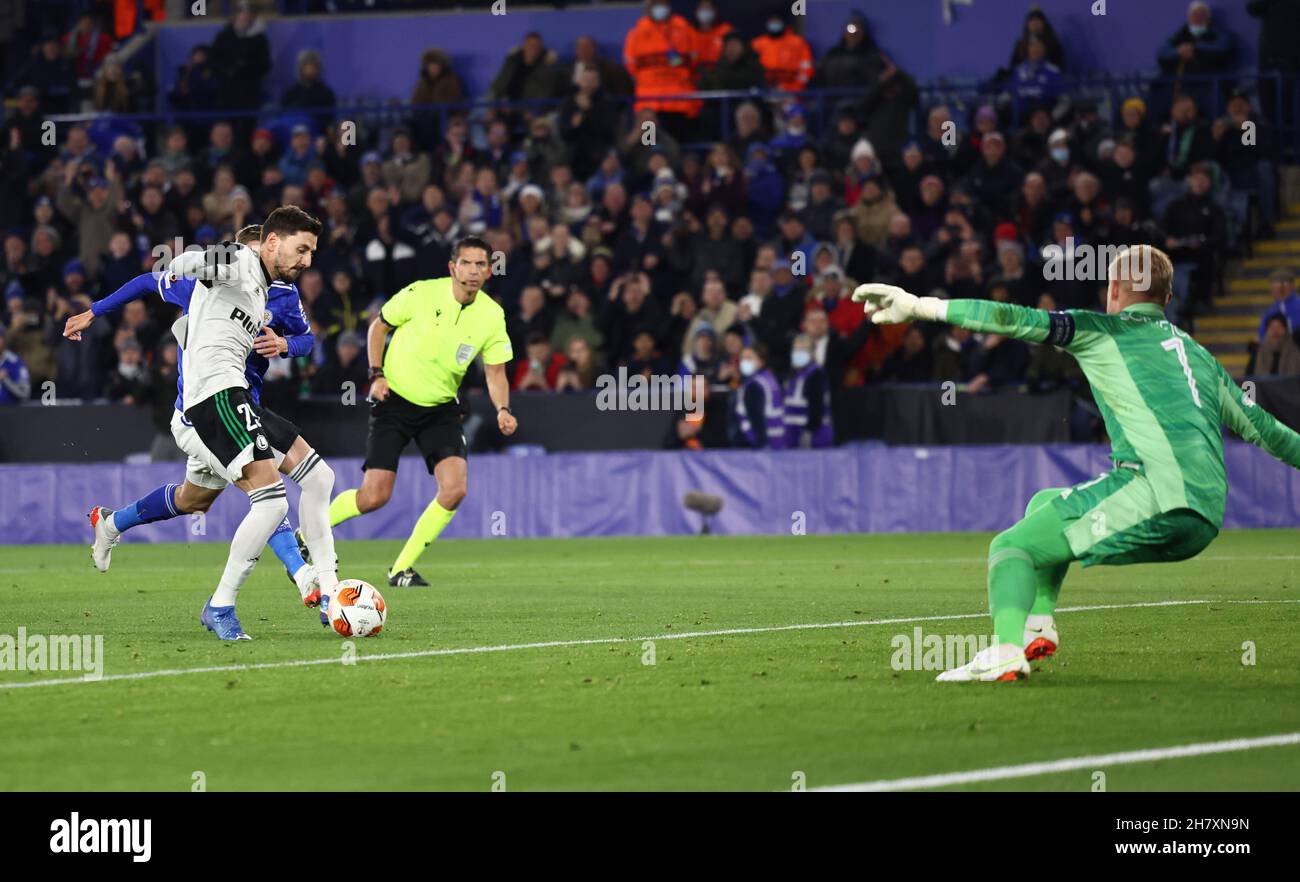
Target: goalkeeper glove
{"points": [[891, 305]]}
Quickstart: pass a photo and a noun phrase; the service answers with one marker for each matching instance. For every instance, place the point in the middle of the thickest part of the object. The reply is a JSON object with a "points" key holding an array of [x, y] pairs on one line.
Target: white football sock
{"points": [[316, 479], [267, 507], [1038, 623]]}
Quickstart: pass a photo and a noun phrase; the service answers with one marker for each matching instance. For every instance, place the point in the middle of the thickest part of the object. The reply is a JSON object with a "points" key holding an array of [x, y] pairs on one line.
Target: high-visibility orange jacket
{"points": [[787, 59], [659, 57], [708, 45], [125, 13]]}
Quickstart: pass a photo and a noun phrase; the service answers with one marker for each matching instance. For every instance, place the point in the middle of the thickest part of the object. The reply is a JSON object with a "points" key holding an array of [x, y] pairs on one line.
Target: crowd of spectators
{"points": [[733, 262]]}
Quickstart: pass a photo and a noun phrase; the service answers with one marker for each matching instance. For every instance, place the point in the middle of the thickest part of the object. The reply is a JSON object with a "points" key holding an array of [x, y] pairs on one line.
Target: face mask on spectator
{"points": [[1197, 30], [748, 366], [659, 12], [1061, 154], [705, 16], [775, 26], [800, 358]]}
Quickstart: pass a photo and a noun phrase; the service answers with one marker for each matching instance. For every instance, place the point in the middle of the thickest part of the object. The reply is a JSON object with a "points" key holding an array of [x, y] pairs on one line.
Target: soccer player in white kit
{"points": [[227, 312]]}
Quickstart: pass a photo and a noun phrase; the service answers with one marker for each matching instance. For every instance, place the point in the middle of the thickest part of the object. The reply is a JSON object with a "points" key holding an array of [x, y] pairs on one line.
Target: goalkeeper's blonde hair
{"points": [[1144, 272]]}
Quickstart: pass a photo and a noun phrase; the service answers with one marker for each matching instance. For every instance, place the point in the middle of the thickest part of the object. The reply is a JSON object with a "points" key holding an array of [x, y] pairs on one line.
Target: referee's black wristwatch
{"points": [[506, 408], [376, 372]]}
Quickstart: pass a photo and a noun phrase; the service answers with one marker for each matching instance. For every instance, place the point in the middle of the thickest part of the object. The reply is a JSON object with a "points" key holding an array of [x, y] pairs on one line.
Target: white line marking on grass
{"points": [[1028, 770], [678, 562], [593, 641]]}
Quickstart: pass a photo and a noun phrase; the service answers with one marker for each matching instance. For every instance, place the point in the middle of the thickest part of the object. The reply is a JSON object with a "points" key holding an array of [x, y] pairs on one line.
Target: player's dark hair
{"points": [[469, 242], [288, 220], [249, 234]]}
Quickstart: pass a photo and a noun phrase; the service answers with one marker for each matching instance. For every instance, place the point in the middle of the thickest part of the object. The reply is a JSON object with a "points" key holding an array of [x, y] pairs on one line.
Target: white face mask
{"points": [[748, 367], [800, 358], [705, 16], [660, 11], [1061, 154]]}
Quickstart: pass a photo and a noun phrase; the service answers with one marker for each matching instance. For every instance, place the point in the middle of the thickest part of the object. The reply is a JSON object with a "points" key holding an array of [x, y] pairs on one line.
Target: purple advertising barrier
{"points": [[869, 489]]}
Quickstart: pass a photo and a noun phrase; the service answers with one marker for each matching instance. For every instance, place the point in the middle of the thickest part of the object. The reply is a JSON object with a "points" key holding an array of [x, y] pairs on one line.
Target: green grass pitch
{"points": [[748, 711]]}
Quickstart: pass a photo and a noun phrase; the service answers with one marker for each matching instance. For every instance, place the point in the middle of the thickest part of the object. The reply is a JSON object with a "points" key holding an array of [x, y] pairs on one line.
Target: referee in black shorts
{"points": [[439, 327]]}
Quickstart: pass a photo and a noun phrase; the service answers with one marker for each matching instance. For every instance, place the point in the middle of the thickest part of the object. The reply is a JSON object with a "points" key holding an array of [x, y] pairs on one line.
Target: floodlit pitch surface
{"points": [[757, 663]]}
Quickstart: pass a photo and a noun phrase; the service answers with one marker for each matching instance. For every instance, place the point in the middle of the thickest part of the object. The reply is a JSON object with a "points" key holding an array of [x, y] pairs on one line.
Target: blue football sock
{"points": [[159, 505], [286, 547]]}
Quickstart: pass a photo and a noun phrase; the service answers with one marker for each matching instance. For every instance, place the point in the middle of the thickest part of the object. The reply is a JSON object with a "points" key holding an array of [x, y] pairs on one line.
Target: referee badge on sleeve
{"points": [[464, 353]]}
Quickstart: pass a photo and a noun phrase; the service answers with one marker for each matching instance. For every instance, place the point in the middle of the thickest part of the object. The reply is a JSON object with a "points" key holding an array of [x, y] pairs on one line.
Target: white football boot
{"points": [[106, 537], [308, 582], [1041, 639], [997, 664]]}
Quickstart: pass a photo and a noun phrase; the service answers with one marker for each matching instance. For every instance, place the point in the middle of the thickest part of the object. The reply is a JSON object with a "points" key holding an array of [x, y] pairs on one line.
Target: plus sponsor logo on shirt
{"points": [[247, 322]]}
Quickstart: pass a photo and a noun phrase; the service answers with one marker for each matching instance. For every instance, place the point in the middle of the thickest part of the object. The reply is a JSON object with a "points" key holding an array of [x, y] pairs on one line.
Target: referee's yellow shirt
{"points": [[436, 338]]}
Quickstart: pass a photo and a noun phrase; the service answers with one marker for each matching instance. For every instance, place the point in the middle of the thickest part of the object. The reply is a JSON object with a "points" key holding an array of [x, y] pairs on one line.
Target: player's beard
{"points": [[288, 273]]}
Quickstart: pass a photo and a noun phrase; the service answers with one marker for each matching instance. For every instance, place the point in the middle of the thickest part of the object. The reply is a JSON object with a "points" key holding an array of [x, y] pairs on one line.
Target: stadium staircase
{"points": [[1228, 331]]}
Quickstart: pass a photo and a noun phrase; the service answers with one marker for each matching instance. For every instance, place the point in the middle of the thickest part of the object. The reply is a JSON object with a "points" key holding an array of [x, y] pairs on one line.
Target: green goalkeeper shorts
{"points": [[1115, 519]]}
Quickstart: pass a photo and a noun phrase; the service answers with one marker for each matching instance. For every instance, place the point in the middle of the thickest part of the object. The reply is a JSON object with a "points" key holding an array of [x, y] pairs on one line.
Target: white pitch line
{"points": [[681, 562], [1028, 770], [593, 641]]}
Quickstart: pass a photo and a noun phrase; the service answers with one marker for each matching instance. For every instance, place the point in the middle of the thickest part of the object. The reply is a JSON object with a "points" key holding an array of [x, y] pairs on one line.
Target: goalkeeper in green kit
{"points": [[1163, 398]]}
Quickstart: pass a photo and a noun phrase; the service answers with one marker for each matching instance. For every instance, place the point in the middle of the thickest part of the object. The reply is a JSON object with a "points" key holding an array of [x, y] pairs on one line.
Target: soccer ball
{"points": [[357, 609]]}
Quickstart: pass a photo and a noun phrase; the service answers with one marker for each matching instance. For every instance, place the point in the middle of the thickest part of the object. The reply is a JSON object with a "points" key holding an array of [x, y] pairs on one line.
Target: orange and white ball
{"points": [[357, 609]]}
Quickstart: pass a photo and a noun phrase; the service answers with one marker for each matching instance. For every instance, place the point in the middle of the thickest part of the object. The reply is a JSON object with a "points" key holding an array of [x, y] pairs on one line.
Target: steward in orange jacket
{"points": [[658, 54], [709, 34], [785, 56], [126, 14]]}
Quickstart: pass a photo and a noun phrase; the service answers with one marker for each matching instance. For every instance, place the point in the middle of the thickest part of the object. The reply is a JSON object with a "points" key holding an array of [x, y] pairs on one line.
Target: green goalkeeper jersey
{"points": [[1163, 397]]}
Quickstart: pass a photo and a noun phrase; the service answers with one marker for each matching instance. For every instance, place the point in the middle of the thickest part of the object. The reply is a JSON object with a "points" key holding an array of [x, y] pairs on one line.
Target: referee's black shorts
{"points": [[394, 422]]}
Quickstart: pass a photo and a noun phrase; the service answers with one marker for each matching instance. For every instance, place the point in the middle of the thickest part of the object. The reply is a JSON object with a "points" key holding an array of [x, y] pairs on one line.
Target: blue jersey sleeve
{"points": [[138, 287], [290, 319], [176, 290], [300, 345]]}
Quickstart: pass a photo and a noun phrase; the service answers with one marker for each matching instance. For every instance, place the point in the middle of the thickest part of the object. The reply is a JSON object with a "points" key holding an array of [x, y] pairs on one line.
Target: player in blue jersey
{"points": [[287, 334]]}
